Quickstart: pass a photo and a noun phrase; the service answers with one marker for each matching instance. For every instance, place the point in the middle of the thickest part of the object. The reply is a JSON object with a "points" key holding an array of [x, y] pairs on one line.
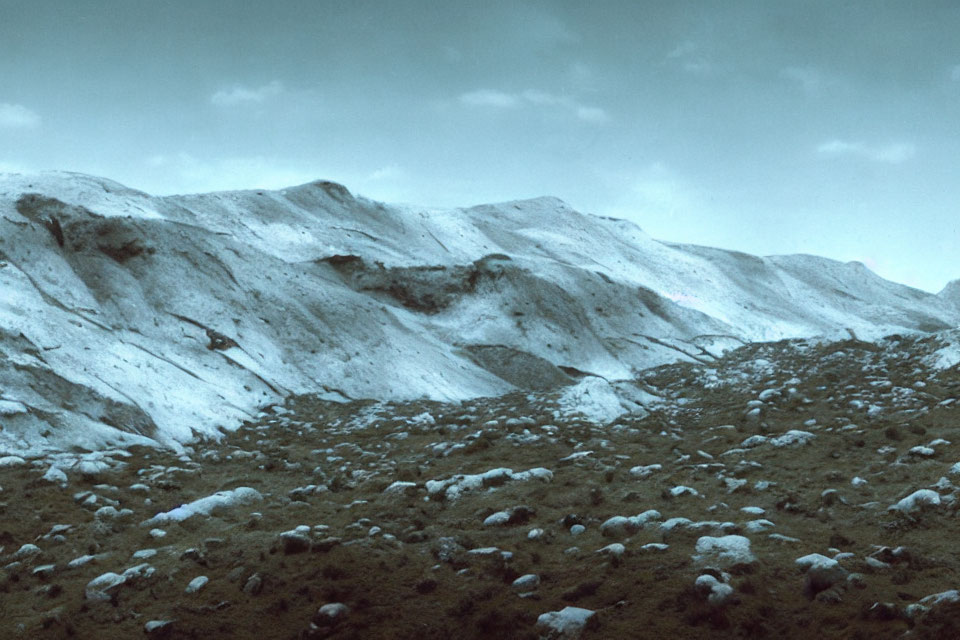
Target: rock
{"points": [[526, 583], [918, 501], [26, 551], [103, 587], [619, 527], [821, 573], [254, 585], [725, 552], [400, 488], [197, 584], [566, 624], [56, 475], [496, 519], [716, 593], [158, 629], [296, 541], [330, 614]]}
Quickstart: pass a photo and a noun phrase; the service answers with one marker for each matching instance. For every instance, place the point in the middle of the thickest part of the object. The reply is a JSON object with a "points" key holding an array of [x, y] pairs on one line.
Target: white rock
{"points": [[566, 624], [716, 592], [644, 471], [12, 461], [757, 526], [26, 551], [496, 519], [917, 501], [196, 584], [208, 506], [619, 527], [724, 551], [791, 438], [331, 613], [615, 550], [526, 583], [101, 587], [56, 475], [79, 562], [401, 488]]}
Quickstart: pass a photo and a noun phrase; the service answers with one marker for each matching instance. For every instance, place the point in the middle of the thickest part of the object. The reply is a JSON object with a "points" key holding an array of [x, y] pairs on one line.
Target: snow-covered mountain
{"points": [[125, 316]]}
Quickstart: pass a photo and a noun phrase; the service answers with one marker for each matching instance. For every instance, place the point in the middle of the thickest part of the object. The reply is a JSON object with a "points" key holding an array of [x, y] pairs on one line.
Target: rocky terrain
{"points": [[792, 489]]}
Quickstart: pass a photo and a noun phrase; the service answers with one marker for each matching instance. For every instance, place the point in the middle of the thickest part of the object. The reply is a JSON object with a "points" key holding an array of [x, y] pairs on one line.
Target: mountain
{"points": [[132, 318]]}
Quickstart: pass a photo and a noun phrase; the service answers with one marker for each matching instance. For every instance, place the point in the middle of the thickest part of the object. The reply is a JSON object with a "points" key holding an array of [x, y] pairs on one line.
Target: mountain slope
{"points": [[128, 317]]}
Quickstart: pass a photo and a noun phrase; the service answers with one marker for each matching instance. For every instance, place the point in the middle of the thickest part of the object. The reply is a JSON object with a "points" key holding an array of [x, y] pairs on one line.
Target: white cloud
{"points": [[490, 98], [683, 50], [691, 58], [537, 98], [244, 95], [15, 116], [593, 114], [538, 26], [389, 172], [810, 78], [894, 153], [652, 196]]}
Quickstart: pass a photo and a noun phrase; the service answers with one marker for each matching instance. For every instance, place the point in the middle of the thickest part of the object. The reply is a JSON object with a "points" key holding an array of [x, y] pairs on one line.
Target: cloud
{"points": [[15, 116], [239, 94], [536, 98], [810, 78], [388, 172], [538, 26], [490, 98], [691, 58], [894, 153], [592, 114], [650, 195]]}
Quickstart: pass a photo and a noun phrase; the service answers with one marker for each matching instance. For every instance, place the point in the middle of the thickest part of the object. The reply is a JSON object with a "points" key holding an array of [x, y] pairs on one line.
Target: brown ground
{"points": [[415, 579]]}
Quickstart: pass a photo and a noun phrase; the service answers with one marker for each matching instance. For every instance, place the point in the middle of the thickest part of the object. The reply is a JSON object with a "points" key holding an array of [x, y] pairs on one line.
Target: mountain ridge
{"points": [[235, 299]]}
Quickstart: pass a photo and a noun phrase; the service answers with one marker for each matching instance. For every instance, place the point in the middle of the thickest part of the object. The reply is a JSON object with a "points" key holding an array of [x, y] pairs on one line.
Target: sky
{"points": [[810, 126]]}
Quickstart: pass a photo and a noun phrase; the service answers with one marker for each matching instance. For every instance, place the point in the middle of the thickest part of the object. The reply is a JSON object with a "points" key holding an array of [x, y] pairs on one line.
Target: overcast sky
{"points": [[769, 127]]}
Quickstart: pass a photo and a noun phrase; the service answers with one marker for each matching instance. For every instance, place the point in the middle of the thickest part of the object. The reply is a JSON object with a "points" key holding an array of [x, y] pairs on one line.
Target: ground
{"points": [[419, 517]]}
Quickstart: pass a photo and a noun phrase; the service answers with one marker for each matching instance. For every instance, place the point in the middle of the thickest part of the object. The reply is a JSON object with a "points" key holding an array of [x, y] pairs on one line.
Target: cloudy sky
{"points": [[769, 127]]}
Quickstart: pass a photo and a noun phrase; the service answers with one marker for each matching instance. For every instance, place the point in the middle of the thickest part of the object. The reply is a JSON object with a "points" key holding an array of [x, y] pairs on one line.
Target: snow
{"points": [[252, 267], [207, 506], [594, 399]]}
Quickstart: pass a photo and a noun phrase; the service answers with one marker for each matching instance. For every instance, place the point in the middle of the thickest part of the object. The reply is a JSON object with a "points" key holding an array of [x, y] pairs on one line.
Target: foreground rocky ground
{"points": [[792, 489]]}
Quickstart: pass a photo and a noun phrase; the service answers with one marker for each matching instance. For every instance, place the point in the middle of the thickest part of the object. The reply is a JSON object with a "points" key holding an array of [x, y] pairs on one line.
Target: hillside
{"points": [[128, 318]]}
